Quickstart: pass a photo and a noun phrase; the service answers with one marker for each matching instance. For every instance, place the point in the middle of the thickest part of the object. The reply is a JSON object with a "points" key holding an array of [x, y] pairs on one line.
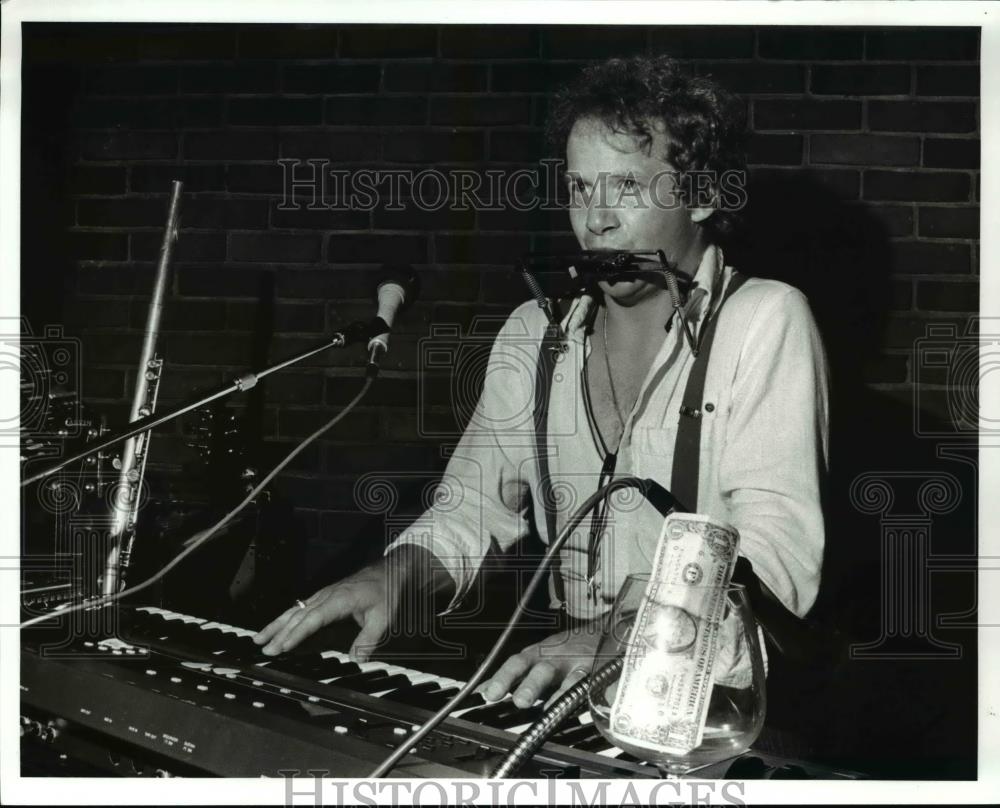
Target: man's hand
{"points": [[554, 664], [365, 595]]}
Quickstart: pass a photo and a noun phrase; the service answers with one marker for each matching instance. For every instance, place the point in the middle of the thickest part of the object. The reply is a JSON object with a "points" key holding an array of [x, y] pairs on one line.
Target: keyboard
{"points": [[172, 694], [166, 672]]}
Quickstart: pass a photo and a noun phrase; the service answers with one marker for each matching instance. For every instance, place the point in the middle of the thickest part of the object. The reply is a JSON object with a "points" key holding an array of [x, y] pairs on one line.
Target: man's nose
{"points": [[601, 219]]}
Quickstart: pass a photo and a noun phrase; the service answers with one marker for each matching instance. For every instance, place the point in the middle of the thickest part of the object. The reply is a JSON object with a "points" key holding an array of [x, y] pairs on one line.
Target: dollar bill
{"points": [[662, 696]]}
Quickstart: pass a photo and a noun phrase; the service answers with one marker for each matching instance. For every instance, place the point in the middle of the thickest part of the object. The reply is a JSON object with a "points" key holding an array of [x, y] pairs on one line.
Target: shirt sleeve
{"points": [[775, 454], [484, 494]]}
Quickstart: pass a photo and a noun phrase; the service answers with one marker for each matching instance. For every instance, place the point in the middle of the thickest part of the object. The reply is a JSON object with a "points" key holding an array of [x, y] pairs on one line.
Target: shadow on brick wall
{"points": [[908, 709]]}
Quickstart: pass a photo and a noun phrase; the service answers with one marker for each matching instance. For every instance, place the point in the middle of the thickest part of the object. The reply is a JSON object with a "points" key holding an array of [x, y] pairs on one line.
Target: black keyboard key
{"points": [[491, 712], [297, 664], [748, 767], [435, 701], [365, 676], [432, 700], [229, 644], [573, 735], [596, 744], [388, 683], [331, 667], [370, 682], [519, 717], [138, 632], [789, 771], [411, 694]]}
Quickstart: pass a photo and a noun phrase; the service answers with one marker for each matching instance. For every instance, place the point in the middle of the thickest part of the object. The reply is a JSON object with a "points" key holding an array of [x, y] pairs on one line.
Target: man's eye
{"points": [[630, 183]]}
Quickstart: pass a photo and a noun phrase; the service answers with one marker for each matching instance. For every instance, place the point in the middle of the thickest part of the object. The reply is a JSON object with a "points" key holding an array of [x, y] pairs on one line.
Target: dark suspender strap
{"points": [[547, 352], [687, 449], [802, 641]]}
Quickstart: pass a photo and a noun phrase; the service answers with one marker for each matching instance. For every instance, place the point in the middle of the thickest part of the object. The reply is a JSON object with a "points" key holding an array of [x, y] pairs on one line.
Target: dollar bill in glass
{"points": [[666, 682]]}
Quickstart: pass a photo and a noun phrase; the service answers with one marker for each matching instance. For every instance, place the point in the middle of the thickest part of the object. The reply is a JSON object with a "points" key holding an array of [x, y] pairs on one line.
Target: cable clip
{"points": [[593, 587]]}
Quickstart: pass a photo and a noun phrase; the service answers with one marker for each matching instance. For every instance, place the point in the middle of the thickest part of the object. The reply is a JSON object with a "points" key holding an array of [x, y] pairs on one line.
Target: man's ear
{"points": [[700, 215]]}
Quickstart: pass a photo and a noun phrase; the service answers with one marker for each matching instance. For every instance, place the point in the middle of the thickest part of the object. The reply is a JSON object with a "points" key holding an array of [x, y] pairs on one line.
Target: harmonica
{"points": [[606, 262]]}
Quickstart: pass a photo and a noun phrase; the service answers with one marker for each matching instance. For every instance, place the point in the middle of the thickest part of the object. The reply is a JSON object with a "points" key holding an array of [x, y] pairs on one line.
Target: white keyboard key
{"points": [[394, 670]]}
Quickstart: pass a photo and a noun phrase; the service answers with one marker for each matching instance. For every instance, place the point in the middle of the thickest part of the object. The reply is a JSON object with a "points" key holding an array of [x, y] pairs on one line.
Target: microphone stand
{"points": [[354, 333]]}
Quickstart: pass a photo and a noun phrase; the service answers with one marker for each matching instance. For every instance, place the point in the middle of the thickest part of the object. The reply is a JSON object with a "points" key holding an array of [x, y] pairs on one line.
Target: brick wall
{"points": [[865, 158]]}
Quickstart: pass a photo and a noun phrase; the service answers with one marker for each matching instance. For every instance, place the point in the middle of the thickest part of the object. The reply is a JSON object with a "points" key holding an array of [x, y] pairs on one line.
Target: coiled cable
{"points": [[565, 706], [675, 301], [536, 292]]}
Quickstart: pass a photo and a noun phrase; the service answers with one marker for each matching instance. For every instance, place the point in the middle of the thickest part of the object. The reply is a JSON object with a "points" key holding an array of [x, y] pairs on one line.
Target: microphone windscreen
{"points": [[404, 278], [396, 288], [391, 300]]}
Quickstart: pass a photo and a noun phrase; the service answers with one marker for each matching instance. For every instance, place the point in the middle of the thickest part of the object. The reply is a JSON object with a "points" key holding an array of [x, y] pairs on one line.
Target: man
{"points": [[638, 135]]}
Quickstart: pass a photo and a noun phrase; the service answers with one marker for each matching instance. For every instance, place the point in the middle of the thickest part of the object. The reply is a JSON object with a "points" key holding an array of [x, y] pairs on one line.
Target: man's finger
{"points": [[539, 678], [571, 679], [372, 631], [277, 642], [497, 686], [304, 622], [264, 636], [272, 628], [311, 621]]}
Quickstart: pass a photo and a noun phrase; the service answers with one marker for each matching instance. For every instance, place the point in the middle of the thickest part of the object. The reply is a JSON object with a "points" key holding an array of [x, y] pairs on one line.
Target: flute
{"points": [[131, 466]]}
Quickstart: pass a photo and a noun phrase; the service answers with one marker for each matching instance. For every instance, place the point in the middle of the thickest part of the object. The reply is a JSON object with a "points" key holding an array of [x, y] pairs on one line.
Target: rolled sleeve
{"points": [[483, 496]]}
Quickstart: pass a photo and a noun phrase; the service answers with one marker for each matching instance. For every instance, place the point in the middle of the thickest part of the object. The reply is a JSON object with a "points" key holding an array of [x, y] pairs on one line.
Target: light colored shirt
{"points": [[762, 456]]}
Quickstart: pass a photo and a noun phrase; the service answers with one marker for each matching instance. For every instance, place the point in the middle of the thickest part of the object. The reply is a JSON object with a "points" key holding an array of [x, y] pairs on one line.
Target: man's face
{"points": [[623, 197]]}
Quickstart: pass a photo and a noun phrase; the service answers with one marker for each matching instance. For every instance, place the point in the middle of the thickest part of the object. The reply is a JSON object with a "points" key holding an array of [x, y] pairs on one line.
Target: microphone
{"points": [[398, 286]]}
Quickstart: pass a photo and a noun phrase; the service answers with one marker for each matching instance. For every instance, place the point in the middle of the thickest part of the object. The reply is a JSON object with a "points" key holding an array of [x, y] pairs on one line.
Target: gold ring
{"points": [[300, 604]]}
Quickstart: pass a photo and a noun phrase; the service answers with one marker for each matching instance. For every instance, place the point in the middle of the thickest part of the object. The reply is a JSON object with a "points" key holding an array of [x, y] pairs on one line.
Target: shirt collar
{"points": [[706, 287]]}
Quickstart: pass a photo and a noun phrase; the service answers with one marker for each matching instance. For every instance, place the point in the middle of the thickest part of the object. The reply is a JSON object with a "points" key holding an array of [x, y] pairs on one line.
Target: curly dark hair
{"points": [[705, 123]]}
